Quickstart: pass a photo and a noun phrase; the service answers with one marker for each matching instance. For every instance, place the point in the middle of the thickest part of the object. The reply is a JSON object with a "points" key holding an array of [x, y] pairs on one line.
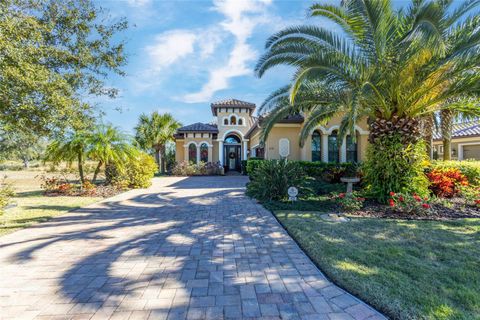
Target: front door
{"points": [[232, 157]]}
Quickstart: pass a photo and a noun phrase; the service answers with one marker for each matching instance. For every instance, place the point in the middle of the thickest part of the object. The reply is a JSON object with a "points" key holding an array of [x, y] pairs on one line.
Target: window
{"points": [[192, 153], [316, 146], [440, 149], [260, 153], [231, 139], [333, 151], [204, 152], [233, 120], [351, 149], [225, 122], [240, 122]]}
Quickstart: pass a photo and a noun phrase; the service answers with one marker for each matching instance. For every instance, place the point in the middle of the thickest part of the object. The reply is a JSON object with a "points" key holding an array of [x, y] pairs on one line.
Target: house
{"points": [[465, 141], [235, 136]]}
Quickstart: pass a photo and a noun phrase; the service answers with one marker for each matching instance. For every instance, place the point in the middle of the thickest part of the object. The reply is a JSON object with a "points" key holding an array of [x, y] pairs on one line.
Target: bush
{"points": [[136, 172], [6, 192], [409, 203], [185, 168], [272, 178], [469, 168], [349, 202], [252, 165], [446, 183], [391, 166], [329, 172]]}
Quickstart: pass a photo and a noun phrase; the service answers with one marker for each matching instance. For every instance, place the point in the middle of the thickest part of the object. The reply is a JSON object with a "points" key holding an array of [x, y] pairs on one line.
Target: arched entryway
{"points": [[232, 152]]}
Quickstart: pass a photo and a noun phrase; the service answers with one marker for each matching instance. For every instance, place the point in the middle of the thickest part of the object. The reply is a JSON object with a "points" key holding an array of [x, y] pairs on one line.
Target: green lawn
{"points": [[406, 269], [31, 205]]}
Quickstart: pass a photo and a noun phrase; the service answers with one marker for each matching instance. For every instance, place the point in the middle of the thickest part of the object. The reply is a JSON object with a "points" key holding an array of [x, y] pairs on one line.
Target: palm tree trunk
{"points": [[97, 170], [157, 158], [162, 159], [447, 128], [80, 167], [428, 124]]}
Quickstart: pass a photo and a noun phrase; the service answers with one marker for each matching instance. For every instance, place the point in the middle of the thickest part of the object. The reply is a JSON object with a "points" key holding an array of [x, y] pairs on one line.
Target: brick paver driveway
{"points": [[192, 248]]}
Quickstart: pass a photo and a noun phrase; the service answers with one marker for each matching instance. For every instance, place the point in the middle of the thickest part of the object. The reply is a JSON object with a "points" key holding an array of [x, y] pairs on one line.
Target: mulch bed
{"points": [[457, 210]]}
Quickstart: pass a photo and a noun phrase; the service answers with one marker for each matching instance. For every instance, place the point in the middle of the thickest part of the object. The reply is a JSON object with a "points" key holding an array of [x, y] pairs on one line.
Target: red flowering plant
{"points": [[471, 195], [349, 202], [409, 203], [446, 183]]}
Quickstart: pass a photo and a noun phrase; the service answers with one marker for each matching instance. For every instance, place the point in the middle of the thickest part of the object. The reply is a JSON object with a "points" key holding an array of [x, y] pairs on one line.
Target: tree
{"points": [[154, 132], [70, 147], [391, 67], [108, 145], [53, 53], [17, 144]]}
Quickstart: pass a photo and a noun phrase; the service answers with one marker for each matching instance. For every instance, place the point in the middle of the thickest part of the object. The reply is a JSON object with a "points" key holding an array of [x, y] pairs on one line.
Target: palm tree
{"points": [[391, 67], [154, 132], [108, 145], [70, 147]]}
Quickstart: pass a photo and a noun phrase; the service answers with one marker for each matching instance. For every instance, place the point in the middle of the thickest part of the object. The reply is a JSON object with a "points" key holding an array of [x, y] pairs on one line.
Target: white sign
{"points": [[292, 193]]}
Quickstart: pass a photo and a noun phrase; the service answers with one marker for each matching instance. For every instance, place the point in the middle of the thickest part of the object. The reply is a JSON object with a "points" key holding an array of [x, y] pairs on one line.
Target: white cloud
{"points": [[139, 3], [170, 47], [241, 18]]}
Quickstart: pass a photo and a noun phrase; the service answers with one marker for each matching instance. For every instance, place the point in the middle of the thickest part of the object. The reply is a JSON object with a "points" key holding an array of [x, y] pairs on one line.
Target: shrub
{"points": [[6, 192], [446, 183], [272, 178], [409, 203], [471, 194], [349, 202], [469, 168], [252, 165], [185, 168], [136, 172], [392, 166]]}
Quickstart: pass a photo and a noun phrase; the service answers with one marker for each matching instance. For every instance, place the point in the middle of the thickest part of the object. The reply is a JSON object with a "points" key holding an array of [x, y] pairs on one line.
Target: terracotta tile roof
{"points": [[464, 129], [198, 127], [231, 103]]}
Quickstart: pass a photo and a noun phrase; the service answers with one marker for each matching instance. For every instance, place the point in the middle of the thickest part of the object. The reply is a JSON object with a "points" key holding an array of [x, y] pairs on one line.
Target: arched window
{"points": [[204, 152], [333, 150], [225, 122], [192, 153], [316, 146], [240, 122], [351, 149], [233, 120], [232, 139]]}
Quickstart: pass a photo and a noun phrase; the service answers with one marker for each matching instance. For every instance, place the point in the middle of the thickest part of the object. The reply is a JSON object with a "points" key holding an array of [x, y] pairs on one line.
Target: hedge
{"points": [[469, 168], [328, 171]]}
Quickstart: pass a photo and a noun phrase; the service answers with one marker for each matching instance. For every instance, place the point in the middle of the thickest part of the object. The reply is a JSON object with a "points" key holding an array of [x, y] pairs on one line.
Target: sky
{"points": [[184, 55]]}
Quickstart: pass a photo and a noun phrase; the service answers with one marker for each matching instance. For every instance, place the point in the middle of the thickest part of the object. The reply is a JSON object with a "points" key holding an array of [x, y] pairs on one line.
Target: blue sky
{"points": [[185, 54]]}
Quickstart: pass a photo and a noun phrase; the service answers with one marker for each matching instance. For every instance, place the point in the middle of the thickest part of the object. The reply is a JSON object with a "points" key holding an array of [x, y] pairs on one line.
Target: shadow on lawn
{"points": [[178, 235]]}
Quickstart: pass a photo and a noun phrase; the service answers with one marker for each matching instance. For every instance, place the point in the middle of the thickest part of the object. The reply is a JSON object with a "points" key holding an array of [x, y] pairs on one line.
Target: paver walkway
{"points": [[186, 248]]}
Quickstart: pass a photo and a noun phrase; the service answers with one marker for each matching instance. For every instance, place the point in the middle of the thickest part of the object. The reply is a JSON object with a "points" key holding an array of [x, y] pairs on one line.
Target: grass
{"points": [[31, 205], [406, 269]]}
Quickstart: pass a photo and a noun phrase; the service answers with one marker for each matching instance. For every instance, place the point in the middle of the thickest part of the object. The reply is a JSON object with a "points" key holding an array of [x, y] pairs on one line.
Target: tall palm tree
{"points": [[391, 67], [108, 145], [70, 147], [154, 131]]}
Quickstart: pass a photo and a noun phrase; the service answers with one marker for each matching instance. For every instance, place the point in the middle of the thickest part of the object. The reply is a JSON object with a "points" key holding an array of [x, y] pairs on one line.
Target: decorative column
{"points": [[210, 153], [185, 154], [245, 146], [220, 152], [198, 154], [343, 151], [324, 147]]}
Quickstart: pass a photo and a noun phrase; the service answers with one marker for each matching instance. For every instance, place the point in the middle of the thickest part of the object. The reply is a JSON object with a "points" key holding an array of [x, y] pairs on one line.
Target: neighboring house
{"points": [[235, 136], [465, 141]]}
